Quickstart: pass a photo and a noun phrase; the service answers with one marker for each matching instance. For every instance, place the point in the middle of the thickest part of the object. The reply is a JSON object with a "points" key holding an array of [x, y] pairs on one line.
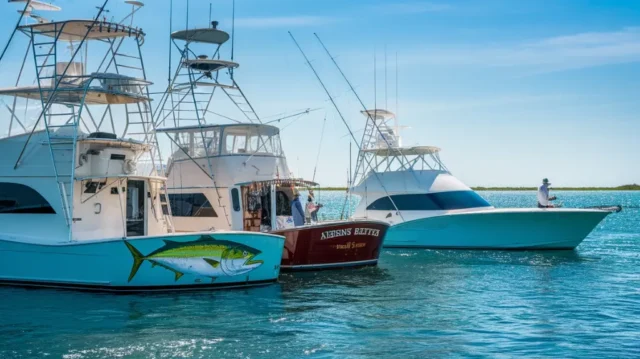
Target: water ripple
{"points": [[417, 303]]}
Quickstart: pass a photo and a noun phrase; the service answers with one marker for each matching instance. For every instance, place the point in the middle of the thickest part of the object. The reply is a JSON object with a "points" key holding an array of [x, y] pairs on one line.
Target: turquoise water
{"points": [[417, 303]]}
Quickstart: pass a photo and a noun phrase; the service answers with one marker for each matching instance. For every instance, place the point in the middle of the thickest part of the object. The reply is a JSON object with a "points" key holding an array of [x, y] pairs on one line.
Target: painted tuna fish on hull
{"points": [[206, 257]]}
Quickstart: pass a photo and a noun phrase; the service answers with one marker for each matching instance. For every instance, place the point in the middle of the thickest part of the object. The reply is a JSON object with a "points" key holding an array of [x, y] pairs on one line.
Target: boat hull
{"points": [[497, 229], [170, 262], [333, 245]]}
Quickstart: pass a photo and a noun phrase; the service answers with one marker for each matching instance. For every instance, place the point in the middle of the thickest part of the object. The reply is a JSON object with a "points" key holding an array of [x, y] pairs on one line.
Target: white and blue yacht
{"points": [[83, 202], [410, 188]]}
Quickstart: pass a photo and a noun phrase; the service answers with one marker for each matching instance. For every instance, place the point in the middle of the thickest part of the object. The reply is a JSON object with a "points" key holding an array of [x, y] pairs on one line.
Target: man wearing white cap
{"points": [[544, 201]]}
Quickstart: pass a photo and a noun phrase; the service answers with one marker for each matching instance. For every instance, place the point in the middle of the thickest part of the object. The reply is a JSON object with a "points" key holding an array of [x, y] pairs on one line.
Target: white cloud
{"points": [[545, 55], [284, 21], [414, 7]]}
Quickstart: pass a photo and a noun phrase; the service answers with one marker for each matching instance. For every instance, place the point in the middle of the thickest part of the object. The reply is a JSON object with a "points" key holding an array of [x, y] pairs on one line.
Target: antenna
{"points": [[209, 13], [233, 30], [386, 105], [170, 31], [396, 117], [375, 84]]}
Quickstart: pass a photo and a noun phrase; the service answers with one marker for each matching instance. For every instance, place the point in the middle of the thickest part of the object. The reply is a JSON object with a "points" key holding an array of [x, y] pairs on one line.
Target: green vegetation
{"points": [[627, 187]]}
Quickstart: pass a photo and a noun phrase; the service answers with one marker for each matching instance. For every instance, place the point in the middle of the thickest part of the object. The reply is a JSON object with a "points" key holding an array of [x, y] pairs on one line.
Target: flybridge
{"points": [[381, 149]]}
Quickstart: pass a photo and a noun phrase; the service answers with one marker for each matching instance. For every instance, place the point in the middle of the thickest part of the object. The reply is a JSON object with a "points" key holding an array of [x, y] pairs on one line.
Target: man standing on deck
{"points": [[296, 210], [544, 201]]}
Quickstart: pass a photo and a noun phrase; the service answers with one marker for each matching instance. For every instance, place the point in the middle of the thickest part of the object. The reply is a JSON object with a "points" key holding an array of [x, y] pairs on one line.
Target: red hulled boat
{"points": [[266, 207]]}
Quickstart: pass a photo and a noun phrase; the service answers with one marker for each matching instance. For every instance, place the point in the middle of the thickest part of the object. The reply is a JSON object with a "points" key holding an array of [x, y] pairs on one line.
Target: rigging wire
{"points": [[324, 122]]}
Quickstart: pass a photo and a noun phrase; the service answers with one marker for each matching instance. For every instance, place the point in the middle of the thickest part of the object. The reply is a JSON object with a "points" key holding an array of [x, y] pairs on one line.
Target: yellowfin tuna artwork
{"points": [[205, 257]]}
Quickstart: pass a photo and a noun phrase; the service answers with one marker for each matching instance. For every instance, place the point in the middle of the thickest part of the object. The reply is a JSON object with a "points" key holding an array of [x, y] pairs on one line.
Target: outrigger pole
{"points": [[359, 99], [353, 137], [24, 11], [375, 125]]}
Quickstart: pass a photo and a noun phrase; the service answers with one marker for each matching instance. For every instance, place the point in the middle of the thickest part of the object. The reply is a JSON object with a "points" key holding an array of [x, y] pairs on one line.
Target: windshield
{"points": [[263, 140]]}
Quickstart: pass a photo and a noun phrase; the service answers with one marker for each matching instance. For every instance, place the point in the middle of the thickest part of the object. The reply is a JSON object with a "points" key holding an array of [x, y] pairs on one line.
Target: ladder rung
{"points": [[44, 43], [129, 67], [42, 66], [129, 56], [40, 55], [61, 126]]}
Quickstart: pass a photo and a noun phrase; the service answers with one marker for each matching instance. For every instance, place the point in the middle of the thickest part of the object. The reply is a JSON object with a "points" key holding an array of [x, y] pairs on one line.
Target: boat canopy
{"points": [[406, 151], [113, 89], [209, 65], [379, 114], [75, 30], [206, 35], [265, 129], [286, 182]]}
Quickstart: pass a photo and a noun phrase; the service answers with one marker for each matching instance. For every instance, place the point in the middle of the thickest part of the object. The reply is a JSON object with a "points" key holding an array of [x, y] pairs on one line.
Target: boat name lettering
{"points": [[350, 245], [347, 232], [367, 232], [336, 233]]}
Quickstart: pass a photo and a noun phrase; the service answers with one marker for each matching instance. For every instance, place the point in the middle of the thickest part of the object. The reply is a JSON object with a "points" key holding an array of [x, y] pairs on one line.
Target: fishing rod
{"points": [[305, 112], [372, 119], [383, 136], [324, 122], [343, 119]]}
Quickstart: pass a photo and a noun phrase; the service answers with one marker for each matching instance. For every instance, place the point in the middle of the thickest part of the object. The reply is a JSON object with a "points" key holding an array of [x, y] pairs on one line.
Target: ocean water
{"points": [[415, 304]]}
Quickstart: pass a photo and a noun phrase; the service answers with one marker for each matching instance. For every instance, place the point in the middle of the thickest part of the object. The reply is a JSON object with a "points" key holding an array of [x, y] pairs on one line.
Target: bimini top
{"points": [[379, 113], [269, 130], [209, 65], [206, 35], [406, 151], [113, 89], [288, 182], [75, 30]]}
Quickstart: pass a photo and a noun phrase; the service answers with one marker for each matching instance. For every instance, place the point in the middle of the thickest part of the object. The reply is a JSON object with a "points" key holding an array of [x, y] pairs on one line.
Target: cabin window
{"points": [[196, 144], [250, 140], [93, 187], [191, 205], [430, 201], [20, 199], [235, 199]]}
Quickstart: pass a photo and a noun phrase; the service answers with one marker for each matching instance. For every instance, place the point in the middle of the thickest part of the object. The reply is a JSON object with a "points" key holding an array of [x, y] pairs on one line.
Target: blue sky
{"points": [[512, 91]]}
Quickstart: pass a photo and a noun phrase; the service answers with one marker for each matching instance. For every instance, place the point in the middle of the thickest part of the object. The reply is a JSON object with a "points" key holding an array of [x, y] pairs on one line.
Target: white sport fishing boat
{"points": [[410, 188], [235, 176], [83, 200]]}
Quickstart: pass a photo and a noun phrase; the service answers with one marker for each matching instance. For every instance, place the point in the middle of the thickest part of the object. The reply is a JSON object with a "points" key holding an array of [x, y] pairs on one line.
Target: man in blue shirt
{"points": [[296, 210]]}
